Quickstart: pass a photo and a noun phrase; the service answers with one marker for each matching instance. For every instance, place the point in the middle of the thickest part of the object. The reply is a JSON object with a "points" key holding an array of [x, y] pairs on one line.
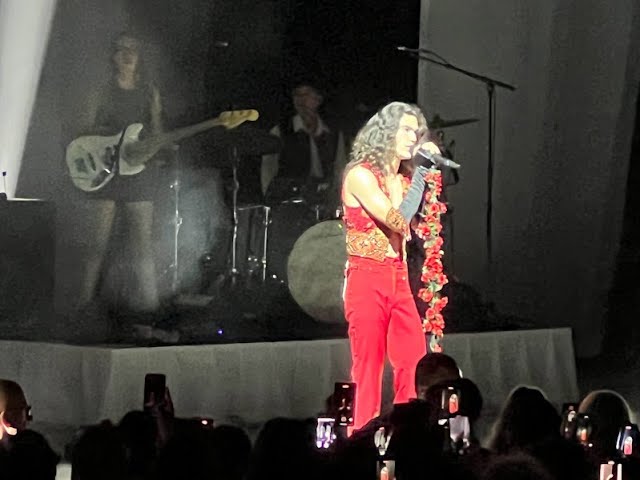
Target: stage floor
{"points": [[80, 385]]}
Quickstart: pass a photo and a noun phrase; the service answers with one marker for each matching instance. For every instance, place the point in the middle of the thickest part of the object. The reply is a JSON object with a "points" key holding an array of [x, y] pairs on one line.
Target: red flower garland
{"points": [[433, 276]]}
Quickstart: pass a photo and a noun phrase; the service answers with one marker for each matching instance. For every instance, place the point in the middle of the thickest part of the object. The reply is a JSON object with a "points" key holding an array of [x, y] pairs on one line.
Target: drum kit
{"points": [[294, 238]]}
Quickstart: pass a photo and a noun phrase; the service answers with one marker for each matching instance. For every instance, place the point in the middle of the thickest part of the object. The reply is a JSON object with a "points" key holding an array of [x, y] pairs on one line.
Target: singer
{"points": [[381, 193]]}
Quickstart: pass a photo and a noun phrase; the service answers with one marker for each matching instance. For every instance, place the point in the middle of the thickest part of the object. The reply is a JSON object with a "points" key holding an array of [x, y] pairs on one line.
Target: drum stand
{"points": [[177, 220], [235, 161], [264, 223], [234, 272]]}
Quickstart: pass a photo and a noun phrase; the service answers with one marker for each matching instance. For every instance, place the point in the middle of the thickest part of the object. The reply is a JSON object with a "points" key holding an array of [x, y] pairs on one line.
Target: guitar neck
{"points": [[141, 151], [163, 139]]}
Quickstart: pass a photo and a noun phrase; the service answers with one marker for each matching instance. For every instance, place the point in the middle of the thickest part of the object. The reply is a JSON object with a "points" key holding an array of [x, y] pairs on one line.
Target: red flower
{"points": [[434, 208], [431, 252], [428, 327], [430, 220], [425, 295], [440, 304], [433, 261], [433, 275], [422, 230], [434, 175]]}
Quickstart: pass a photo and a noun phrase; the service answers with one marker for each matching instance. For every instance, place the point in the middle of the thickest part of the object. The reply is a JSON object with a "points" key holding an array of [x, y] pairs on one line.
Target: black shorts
{"points": [[145, 186]]}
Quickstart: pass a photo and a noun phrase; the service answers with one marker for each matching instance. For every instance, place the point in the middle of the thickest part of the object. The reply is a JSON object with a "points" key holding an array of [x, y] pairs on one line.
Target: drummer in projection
{"points": [[382, 191], [312, 155]]}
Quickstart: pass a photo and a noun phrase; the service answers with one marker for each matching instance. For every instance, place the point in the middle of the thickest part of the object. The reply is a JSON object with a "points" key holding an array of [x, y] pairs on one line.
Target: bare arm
{"points": [[361, 185]]}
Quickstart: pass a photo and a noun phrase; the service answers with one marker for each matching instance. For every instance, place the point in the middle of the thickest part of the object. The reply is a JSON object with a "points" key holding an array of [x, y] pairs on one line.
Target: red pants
{"points": [[382, 316]]}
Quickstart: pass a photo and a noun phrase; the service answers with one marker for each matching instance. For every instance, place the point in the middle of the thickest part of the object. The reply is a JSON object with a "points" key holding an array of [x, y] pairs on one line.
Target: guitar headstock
{"points": [[235, 118]]}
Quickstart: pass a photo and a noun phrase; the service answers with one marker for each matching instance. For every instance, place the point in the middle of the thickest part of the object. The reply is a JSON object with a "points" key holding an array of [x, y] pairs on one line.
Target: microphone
{"points": [[436, 159]]}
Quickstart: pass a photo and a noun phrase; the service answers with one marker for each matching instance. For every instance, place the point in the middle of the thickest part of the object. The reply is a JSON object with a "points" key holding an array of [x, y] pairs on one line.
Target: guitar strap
{"points": [[115, 155]]}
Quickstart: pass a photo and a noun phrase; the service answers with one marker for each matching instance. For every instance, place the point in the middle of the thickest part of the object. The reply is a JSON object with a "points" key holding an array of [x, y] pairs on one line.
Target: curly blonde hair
{"points": [[375, 142]]}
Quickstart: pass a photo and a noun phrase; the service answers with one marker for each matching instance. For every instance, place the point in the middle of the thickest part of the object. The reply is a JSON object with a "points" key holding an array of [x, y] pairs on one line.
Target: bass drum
{"points": [[315, 271]]}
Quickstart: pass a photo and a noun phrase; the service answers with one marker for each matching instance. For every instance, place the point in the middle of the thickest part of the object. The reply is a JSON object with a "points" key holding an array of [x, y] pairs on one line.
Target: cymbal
{"points": [[437, 122]]}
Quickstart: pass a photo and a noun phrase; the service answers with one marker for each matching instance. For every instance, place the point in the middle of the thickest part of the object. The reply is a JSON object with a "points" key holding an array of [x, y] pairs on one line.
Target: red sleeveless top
{"points": [[366, 236]]}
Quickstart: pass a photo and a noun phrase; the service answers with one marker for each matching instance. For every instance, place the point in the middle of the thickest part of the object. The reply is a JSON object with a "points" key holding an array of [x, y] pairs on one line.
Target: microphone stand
{"points": [[491, 84], [177, 220]]}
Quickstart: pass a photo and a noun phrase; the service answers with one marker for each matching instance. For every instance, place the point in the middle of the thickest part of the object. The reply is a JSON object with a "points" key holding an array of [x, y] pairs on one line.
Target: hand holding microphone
{"points": [[424, 153], [429, 152]]}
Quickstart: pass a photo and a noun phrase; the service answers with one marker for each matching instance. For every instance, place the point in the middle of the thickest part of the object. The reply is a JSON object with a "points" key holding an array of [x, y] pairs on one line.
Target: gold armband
{"points": [[395, 221]]}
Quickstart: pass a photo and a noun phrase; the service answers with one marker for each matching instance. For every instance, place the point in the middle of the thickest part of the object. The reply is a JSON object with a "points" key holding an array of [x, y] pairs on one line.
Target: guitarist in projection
{"points": [[116, 166], [128, 97]]}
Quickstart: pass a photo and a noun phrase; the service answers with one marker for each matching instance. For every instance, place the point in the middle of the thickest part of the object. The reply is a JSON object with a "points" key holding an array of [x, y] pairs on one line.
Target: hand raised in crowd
{"points": [[163, 413]]}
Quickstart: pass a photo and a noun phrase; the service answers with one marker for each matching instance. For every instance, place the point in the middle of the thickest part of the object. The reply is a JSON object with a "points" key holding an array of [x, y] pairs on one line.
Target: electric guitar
{"points": [[93, 161]]}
